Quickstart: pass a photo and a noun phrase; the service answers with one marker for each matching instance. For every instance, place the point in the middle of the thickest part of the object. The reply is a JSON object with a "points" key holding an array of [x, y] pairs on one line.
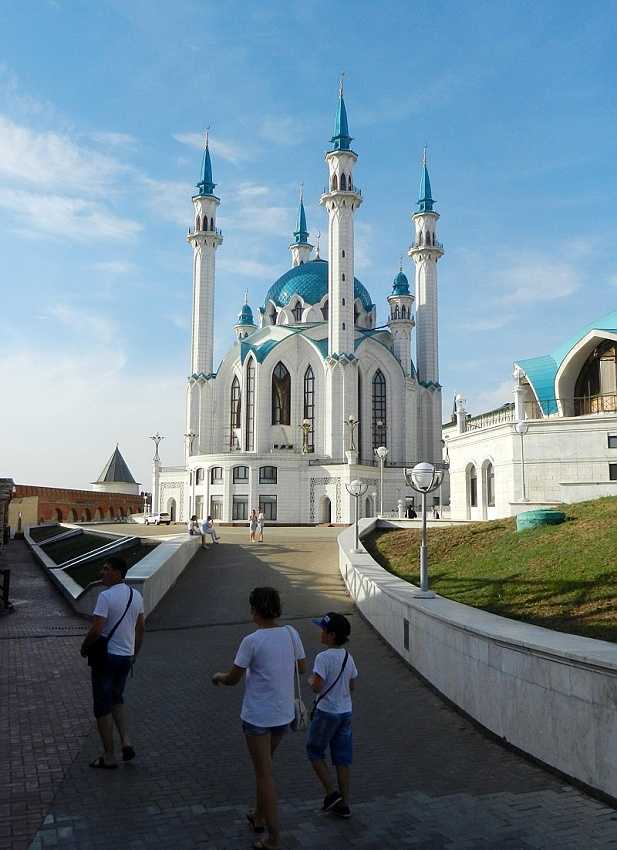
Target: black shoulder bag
{"points": [[325, 693], [97, 651]]}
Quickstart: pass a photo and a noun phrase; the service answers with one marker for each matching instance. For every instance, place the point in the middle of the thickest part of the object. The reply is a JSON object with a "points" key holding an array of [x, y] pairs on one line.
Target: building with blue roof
{"points": [[311, 384]]}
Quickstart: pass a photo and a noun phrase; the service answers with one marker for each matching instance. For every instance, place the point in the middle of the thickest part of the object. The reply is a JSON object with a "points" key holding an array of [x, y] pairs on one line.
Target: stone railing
{"points": [[488, 420]]}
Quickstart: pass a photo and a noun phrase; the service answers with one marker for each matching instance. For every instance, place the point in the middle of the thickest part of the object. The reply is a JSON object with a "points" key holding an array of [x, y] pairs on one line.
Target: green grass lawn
{"points": [[563, 577]]}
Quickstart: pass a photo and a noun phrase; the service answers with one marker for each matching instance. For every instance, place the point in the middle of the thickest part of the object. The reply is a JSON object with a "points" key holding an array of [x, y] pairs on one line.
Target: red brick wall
{"points": [[87, 504]]}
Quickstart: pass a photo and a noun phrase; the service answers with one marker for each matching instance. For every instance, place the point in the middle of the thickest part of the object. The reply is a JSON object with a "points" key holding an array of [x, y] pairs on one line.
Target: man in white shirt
{"points": [[119, 617], [207, 527]]}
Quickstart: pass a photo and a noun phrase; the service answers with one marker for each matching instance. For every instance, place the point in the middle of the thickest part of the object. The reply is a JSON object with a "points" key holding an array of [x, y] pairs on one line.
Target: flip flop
{"points": [[102, 764], [128, 753], [250, 816]]}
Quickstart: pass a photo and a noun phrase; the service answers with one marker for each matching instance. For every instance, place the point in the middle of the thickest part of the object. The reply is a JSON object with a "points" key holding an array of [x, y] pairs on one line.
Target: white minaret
{"points": [[425, 252], [401, 321], [300, 248], [341, 201], [205, 239]]}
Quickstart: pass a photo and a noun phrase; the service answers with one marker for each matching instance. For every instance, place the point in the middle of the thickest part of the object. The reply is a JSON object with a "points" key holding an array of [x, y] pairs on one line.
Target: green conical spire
{"points": [[425, 201], [341, 140], [301, 231], [205, 185]]}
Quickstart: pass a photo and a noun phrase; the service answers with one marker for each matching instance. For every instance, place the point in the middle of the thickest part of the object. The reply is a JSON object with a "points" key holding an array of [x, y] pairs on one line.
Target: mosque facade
{"points": [[311, 386]]}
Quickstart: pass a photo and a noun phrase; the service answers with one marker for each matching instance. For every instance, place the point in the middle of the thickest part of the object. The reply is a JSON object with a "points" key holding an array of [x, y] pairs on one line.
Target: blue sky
{"points": [[101, 110]]}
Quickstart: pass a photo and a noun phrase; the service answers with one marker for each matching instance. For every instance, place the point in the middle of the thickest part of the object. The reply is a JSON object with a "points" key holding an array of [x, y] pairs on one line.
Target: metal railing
{"points": [[488, 420], [545, 408]]}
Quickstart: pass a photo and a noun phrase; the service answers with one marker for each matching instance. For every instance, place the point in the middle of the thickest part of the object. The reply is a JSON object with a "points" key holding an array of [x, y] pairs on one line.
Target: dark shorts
{"points": [[330, 730], [108, 683], [251, 729]]}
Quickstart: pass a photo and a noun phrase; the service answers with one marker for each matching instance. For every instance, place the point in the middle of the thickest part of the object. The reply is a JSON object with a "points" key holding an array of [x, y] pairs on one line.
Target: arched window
{"points": [[334, 183], [356, 313], [281, 395], [343, 183], [473, 486], [216, 475], [343, 253], [396, 312], [211, 224], [273, 314], [343, 276], [297, 312], [199, 476], [309, 407], [267, 474], [596, 385], [434, 243], [240, 474], [324, 310], [490, 484], [379, 410], [197, 223], [234, 413], [58, 515], [88, 515], [250, 406], [72, 515]]}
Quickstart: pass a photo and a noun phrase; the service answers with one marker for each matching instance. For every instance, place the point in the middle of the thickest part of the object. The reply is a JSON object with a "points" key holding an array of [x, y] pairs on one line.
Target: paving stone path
{"points": [[424, 777]]}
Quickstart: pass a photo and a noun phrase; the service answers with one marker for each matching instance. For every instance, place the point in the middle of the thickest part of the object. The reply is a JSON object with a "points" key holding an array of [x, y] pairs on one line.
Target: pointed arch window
{"points": [[250, 406], [281, 395], [297, 312], [309, 407], [211, 224], [343, 183], [380, 429], [334, 183], [198, 224], [234, 413], [396, 312]]}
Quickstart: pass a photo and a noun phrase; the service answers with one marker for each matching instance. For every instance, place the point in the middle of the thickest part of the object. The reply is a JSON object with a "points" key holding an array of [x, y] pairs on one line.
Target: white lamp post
{"points": [[381, 454], [423, 478], [374, 498], [306, 430], [356, 489], [521, 429]]}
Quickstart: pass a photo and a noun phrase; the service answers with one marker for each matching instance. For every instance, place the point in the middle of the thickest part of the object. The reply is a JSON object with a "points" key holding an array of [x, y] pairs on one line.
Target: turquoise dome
{"points": [[245, 316], [401, 285], [310, 282]]}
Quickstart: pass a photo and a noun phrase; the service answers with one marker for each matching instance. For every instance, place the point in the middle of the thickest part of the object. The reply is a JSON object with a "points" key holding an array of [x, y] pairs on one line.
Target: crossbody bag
{"points": [[318, 699], [97, 651], [301, 719]]}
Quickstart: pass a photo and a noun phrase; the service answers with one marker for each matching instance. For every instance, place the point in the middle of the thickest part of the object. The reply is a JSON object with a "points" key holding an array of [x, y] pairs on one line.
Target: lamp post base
{"points": [[423, 594]]}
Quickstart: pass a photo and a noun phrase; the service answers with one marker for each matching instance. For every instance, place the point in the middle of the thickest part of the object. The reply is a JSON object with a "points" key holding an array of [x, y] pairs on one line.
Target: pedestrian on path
{"points": [[207, 527], [261, 521], [253, 522], [114, 639], [268, 657], [193, 525], [334, 675]]}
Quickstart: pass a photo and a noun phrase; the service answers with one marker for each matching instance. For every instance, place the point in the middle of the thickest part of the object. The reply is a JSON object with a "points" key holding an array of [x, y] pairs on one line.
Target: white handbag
{"points": [[301, 718]]}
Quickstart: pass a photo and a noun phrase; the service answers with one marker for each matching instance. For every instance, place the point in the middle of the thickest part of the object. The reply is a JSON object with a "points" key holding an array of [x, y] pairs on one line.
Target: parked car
{"points": [[158, 519]]}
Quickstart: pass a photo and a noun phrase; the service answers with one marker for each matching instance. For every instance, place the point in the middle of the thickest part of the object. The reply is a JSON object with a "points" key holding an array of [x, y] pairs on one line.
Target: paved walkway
{"points": [[424, 777]]}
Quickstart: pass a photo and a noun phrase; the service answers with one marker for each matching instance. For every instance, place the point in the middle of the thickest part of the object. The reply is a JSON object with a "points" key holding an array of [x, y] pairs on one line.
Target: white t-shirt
{"points": [[269, 656], [111, 604], [328, 665]]}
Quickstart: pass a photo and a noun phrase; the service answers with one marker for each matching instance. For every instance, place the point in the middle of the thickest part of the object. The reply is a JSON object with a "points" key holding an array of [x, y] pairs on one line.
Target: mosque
{"points": [[312, 387]]}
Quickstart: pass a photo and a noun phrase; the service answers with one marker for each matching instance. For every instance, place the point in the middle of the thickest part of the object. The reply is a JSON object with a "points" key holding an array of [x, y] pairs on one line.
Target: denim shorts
{"points": [[251, 729], [330, 730], [108, 683]]}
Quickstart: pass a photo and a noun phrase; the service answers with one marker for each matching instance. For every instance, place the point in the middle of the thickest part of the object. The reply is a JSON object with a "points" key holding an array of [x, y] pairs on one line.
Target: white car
{"points": [[158, 519]]}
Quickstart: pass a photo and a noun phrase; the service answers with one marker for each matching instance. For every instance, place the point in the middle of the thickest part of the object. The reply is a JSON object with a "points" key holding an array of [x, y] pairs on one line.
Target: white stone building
{"points": [[567, 451], [271, 427]]}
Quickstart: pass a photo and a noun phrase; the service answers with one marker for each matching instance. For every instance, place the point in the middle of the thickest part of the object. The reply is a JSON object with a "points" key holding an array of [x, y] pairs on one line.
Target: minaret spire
{"points": [[300, 248], [425, 200], [341, 140]]}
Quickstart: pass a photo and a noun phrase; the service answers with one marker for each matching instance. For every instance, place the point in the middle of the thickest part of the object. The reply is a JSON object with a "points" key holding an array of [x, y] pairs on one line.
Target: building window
{"points": [[380, 430], [216, 507], [235, 414], [490, 485], [612, 472], [240, 507], [596, 385], [281, 395], [267, 474], [612, 441], [309, 406], [240, 473], [199, 476], [473, 487], [297, 312], [343, 253], [250, 406], [199, 507], [216, 475], [267, 505], [343, 276]]}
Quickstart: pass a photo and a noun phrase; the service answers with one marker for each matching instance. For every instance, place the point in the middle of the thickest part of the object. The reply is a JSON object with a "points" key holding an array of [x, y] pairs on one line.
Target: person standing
{"points": [[119, 617], [261, 521], [267, 657], [334, 675], [253, 525], [207, 527]]}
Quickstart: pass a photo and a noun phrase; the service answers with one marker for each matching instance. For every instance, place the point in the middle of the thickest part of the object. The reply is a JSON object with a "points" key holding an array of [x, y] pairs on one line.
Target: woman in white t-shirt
{"points": [[268, 657]]}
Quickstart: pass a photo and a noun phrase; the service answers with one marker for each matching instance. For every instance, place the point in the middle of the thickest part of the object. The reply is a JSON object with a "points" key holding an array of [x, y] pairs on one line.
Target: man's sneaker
{"points": [[341, 809], [331, 800]]}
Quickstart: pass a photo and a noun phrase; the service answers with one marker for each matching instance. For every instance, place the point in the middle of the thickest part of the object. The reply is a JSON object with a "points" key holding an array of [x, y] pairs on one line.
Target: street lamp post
{"points": [[423, 478], [352, 423], [521, 429], [374, 498], [381, 454], [356, 489], [306, 430]]}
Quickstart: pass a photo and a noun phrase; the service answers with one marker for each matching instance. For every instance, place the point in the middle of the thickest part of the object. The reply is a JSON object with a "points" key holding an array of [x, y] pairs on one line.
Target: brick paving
{"points": [[424, 777]]}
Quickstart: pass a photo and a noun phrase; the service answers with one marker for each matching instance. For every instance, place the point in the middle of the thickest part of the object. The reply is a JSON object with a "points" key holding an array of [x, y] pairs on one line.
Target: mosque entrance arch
{"points": [[171, 509], [325, 510]]}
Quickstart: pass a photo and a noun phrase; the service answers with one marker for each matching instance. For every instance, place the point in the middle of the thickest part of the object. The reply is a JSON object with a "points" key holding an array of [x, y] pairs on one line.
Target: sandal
{"points": [[128, 753], [102, 764], [250, 816]]}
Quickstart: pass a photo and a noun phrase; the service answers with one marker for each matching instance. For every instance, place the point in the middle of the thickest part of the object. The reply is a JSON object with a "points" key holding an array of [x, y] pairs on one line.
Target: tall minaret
{"points": [[425, 252], [205, 239], [300, 248], [341, 201]]}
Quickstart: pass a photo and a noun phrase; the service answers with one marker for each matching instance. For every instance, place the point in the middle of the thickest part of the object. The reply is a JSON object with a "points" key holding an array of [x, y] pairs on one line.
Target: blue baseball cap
{"points": [[335, 623]]}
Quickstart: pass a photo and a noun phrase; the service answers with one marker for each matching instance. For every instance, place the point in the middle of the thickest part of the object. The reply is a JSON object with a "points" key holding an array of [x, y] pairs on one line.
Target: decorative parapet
{"points": [[201, 376], [343, 359]]}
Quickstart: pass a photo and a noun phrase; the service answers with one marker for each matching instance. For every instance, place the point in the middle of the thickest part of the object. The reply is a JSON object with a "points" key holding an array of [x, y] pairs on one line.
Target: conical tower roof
{"points": [[115, 471], [206, 185]]}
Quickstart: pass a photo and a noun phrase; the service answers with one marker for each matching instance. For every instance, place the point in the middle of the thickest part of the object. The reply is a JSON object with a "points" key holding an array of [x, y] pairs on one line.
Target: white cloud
{"points": [[488, 323], [168, 198], [537, 279], [114, 267], [249, 268], [98, 329], [125, 140], [218, 147], [490, 398], [281, 129]]}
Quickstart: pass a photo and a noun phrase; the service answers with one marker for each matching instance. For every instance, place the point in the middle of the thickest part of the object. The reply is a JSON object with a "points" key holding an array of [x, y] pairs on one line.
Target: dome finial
{"points": [[401, 266], [425, 201], [301, 231], [340, 85], [206, 184], [341, 139], [246, 296]]}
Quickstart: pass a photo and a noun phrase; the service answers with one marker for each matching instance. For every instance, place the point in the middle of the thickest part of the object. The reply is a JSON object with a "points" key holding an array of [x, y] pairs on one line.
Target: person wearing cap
{"points": [[334, 675]]}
